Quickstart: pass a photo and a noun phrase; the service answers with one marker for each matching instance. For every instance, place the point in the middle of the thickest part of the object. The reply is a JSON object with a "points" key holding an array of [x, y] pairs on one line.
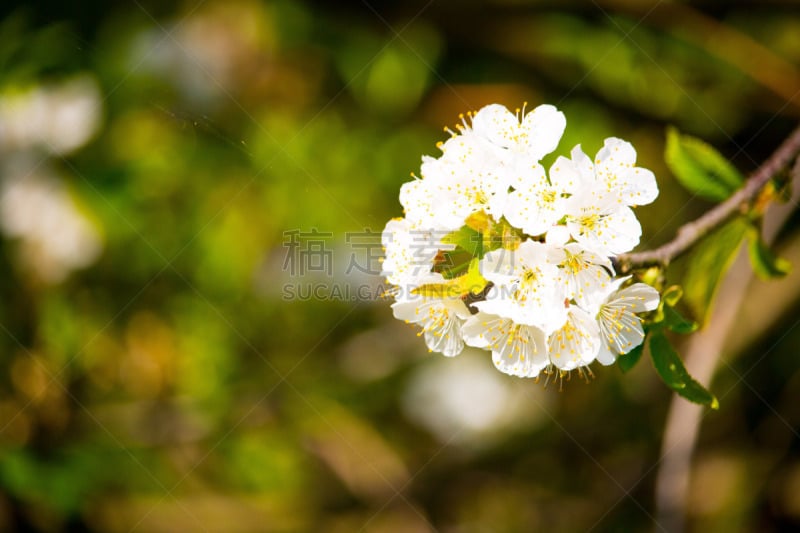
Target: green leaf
{"points": [[452, 263], [628, 361], [672, 295], [666, 361], [652, 276], [699, 167], [480, 235], [670, 367], [468, 245], [466, 238], [471, 282], [708, 264], [766, 265], [502, 235], [677, 322]]}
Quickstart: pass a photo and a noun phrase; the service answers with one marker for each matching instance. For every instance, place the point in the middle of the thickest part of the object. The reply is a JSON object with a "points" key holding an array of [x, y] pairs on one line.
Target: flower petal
{"points": [[576, 343], [496, 124], [535, 209], [583, 163], [600, 222], [614, 154], [616, 171], [639, 297], [605, 356], [441, 321], [525, 287], [584, 274], [565, 176], [557, 236], [447, 341], [542, 129], [498, 266], [629, 337], [517, 350], [417, 198], [622, 329], [638, 186], [624, 231]]}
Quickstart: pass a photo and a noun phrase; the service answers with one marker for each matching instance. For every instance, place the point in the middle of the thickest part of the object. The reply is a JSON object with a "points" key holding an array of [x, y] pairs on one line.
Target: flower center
{"points": [[589, 222], [527, 283], [572, 263], [480, 198], [529, 276]]}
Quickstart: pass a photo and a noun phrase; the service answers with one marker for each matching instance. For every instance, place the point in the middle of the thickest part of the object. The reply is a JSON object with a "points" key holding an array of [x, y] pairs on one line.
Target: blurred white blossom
{"points": [[461, 403], [54, 237], [207, 54], [58, 118]]}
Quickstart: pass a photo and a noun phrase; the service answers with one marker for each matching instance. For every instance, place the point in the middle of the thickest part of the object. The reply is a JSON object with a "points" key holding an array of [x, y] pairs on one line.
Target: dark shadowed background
{"points": [[192, 336]]}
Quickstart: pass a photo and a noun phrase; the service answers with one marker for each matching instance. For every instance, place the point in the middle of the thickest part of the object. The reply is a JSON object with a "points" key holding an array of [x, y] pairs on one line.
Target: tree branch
{"points": [[689, 234], [703, 353]]}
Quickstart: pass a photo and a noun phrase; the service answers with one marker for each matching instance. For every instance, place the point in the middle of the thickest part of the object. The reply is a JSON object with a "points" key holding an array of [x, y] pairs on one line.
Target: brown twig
{"points": [[689, 234], [703, 353]]}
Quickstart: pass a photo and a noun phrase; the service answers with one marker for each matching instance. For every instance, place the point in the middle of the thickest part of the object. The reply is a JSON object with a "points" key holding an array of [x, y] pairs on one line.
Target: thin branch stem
{"points": [[689, 234], [703, 353]]}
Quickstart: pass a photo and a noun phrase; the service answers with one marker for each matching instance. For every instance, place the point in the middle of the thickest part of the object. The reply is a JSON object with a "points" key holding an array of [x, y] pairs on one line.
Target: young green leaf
{"points": [[502, 235], [468, 245], [672, 295], [452, 263], [677, 322], [466, 238], [473, 282], [699, 167], [766, 265], [470, 283], [670, 367], [628, 361], [708, 263]]}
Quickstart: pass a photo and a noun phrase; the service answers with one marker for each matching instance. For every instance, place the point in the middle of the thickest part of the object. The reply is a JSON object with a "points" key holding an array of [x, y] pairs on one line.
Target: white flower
{"points": [[409, 253], [582, 272], [478, 166], [598, 213], [575, 173], [55, 236], [552, 302], [536, 204], [467, 178], [535, 136], [61, 118], [598, 221], [417, 198], [517, 349], [613, 172], [440, 318], [614, 169], [619, 326], [577, 342], [526, 287]]}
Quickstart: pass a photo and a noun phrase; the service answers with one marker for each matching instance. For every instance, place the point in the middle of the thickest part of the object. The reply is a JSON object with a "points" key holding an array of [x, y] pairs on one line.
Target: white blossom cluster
{"points": [[541, 294], [53, 234]]}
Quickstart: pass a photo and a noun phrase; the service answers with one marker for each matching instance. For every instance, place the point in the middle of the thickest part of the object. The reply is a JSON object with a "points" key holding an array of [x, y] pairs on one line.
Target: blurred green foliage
{"points": [[164, 384]]}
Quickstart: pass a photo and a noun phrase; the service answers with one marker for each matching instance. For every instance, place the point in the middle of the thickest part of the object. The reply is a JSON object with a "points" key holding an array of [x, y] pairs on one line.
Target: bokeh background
{"points": [[175, 177]]}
